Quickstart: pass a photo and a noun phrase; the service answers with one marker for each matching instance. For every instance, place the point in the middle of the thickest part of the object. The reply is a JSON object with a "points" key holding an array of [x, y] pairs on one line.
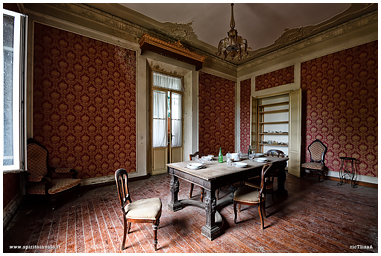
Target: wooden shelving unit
{"points": [[262, 111]]}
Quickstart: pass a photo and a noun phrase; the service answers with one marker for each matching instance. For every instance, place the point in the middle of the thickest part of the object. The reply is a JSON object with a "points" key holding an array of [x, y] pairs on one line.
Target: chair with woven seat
{"points": [[246, 195], [46, 181], [140, 211], [317, 151]]}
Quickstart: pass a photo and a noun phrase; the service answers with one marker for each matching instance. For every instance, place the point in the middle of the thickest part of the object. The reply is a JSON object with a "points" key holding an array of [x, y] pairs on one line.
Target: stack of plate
{"points": [[194, 166]]}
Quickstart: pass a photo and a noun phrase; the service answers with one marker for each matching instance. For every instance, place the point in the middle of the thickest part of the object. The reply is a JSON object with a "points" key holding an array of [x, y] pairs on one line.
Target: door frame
{"points": [[168, 148]]}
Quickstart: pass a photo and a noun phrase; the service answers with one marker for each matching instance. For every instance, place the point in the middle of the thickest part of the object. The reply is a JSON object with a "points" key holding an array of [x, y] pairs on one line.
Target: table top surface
{"points": [[213, 169]]}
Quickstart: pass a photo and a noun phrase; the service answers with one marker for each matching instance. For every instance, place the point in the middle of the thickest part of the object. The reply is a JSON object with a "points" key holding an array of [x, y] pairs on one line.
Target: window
{"points": [[12, 97]]}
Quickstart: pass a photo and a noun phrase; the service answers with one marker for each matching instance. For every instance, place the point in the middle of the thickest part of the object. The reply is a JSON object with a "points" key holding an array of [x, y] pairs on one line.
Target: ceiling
{"points": [[266, 26]]}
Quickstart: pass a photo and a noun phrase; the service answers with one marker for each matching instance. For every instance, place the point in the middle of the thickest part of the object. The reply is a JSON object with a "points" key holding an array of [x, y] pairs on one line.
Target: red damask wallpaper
{"points": [[275, 78], [84, 102], [341, 95], [245, 95], [216, 116]]}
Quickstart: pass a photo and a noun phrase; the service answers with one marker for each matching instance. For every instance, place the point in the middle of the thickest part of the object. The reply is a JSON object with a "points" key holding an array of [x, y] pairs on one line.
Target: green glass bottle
{"points": [[220, 157]]}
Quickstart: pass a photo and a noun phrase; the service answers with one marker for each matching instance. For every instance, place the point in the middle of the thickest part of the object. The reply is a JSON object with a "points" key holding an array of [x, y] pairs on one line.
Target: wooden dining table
{"points": [[212, 176]]}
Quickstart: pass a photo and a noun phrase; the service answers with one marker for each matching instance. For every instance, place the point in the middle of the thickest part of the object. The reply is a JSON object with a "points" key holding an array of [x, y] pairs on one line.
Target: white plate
{"points": [[240, 164], [259, 154], [194, 166], [261, 160]]}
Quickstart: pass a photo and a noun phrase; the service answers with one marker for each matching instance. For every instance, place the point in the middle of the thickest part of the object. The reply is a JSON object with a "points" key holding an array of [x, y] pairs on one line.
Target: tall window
{"points": [[12, 97]]}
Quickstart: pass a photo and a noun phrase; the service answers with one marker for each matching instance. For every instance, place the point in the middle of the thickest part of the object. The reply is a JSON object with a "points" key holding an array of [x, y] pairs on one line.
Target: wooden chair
{"points": [[46, 181], [250, 196], [317, 153], [141, 211], [191, 156], [269, 182]]}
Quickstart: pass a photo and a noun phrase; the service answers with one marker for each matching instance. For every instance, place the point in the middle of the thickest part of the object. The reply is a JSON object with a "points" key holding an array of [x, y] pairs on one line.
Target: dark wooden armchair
{"points": [[46, 181], [317, 151]]}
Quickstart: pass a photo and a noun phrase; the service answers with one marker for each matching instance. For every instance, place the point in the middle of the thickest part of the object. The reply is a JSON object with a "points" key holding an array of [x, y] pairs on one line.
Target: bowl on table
{"points": [[194, 166], [239, 164]]}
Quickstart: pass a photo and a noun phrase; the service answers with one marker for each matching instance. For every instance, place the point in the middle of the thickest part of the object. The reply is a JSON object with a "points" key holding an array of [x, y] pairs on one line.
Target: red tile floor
{"points": [[315, 217]]}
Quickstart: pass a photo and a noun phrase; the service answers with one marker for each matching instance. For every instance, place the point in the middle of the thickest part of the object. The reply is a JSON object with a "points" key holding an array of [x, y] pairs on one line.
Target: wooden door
{"points": [[295, 132]]}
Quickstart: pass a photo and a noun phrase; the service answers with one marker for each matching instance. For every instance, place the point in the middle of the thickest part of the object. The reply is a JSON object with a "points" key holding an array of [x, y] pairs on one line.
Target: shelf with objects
{"points": [[272, 123]]}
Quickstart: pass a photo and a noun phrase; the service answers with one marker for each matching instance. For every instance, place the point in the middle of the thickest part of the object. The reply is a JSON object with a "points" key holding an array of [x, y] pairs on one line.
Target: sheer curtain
{"points": [[168, 82], [159, 119], [160, 129], [176, 120]]}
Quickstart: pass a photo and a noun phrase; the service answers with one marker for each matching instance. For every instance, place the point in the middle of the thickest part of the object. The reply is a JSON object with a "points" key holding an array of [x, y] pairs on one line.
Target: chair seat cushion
{"points": [[143, 209], [59, 185], [247, 195], [313, 166]]}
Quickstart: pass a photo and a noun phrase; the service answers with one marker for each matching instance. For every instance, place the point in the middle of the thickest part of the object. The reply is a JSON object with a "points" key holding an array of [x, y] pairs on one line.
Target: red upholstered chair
{"points": [[43, 180], [317, 153]]}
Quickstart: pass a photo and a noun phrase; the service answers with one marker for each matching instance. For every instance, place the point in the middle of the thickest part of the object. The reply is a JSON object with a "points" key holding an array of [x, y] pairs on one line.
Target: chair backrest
{"points": [[317, 151], [37, 158], [194, 155], [275, 152], [121, 179], [264, 174]]}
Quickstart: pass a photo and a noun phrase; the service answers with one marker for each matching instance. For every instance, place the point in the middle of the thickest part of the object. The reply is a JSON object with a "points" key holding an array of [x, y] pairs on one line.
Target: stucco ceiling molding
{"points": [[329, 34], [103, 17], [179, 31], [182, 32]]}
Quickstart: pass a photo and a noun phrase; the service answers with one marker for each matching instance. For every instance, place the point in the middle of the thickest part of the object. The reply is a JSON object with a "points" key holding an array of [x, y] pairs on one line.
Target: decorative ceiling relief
{"points": [[183, 32]]}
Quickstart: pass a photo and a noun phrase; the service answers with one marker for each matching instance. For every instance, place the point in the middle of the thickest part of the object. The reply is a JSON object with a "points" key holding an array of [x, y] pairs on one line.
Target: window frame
{"points": [[19, 94]]}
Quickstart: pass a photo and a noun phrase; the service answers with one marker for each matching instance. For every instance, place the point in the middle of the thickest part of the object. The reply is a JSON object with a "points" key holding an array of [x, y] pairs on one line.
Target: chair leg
{"points": [[235, 212], [218, 194], [260, 213], [202, 194], [155, 226], [126, 227], [191, 190]]}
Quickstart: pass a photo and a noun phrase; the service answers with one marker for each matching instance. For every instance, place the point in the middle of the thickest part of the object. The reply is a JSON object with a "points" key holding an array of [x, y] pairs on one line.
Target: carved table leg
{"points": [[174, 205], [210, 230]]}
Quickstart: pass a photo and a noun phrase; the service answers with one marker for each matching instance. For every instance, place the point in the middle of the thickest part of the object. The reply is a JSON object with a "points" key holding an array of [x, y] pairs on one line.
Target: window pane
{"points": [[8, 125], [159, 124], [176, 120]]}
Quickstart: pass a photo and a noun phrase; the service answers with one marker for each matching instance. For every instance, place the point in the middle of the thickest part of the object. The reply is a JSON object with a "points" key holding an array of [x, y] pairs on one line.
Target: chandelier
{"points": [[233, 46]]}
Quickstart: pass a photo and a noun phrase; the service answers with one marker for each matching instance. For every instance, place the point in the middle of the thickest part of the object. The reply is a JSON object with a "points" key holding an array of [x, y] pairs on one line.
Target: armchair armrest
{"points": [[61, 173]]}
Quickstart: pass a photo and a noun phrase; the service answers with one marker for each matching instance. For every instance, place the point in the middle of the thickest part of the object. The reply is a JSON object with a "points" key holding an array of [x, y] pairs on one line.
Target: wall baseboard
{"points": [[10, 210], [362, 180]]}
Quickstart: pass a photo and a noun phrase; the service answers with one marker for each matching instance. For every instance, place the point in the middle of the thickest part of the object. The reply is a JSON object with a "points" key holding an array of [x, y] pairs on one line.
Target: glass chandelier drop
{"points": [[233, 46]]}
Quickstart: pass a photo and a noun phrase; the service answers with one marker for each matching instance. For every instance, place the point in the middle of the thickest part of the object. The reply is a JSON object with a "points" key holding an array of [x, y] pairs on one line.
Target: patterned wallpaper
{"points": [[341, 105], [84, 102], [245, 95], [216, 116], [275, 78]]}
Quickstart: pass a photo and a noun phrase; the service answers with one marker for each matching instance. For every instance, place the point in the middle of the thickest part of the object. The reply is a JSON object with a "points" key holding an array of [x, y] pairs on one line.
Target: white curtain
{"points": [[176, 120], [168, 82], [159, 119]]}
